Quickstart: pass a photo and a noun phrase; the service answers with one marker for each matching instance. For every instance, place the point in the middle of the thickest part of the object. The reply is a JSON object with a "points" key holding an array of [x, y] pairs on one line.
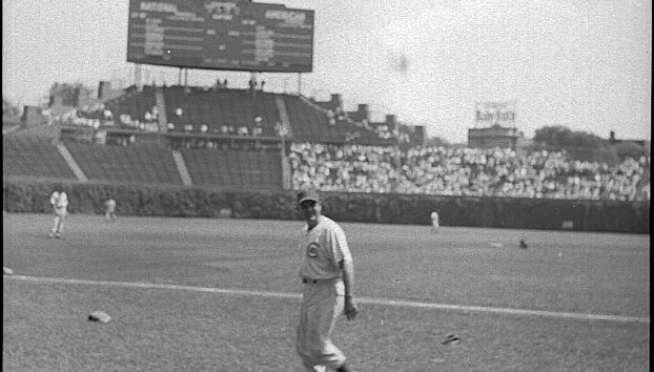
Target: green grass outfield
{"points": [[223, 295]]}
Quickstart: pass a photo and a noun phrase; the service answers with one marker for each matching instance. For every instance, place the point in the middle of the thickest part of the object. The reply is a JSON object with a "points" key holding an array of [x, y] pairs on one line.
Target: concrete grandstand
{"points": [[244, 139]]}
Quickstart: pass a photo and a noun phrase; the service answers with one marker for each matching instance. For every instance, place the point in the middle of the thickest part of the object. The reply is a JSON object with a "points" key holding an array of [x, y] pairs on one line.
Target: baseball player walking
{"points": [[434, 222], [59, 202], [327, 272], [110, 210]]}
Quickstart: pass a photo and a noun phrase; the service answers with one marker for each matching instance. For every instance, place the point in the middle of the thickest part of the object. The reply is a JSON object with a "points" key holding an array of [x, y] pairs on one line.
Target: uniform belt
{"points": [[319, 281]]}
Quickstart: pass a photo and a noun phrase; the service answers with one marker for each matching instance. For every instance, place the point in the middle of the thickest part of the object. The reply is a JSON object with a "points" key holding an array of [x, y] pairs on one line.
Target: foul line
{"points": [[365, 300]]}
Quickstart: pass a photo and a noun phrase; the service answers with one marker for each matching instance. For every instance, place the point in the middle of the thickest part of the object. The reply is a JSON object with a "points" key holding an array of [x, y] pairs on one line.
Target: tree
{"points": [[578, 145], [552, 135], [584, 139], [436, 141], [559, 135], [629, 149]]}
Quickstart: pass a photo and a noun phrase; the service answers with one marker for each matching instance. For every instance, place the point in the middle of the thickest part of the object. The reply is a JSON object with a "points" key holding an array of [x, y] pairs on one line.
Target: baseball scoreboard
{"points": [[220, 35]]}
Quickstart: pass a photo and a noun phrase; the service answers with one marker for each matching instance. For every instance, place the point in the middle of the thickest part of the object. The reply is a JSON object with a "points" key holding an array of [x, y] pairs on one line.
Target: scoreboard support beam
{"points": [[299, 83], [182, 76], [137, 75]]}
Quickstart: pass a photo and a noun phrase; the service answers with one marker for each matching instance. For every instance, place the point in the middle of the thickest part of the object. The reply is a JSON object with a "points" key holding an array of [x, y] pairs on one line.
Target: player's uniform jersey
{"points": [[323, 248], [111, 205], [59, 201], [434, 219]]}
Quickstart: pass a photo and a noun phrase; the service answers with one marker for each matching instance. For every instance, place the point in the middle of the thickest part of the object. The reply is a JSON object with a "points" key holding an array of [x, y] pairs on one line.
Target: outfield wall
{"points": [[32, 196]]}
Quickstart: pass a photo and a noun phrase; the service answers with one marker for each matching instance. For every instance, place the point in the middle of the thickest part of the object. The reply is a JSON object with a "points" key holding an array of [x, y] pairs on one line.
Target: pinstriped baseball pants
{"points": [[321, 306], [58, 226]]}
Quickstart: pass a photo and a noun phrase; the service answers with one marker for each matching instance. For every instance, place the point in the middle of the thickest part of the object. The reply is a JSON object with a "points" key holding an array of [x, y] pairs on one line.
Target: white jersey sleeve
{"points": [[54, 198], [63, 200], [338, 244]]}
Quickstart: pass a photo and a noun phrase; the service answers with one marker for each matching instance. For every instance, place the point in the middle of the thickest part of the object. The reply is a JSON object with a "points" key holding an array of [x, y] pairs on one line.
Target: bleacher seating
{"points": [[32, 156], [223, 111], [310, 122], [328, 151], [132, 164], [243, 163], [133, 103], [466, 172], [231, 167]]}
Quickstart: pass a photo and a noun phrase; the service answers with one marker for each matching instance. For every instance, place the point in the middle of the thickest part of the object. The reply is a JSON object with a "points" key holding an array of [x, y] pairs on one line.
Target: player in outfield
{"points": [[327, 272], [110, 210], [59, 202], [435, 225]]}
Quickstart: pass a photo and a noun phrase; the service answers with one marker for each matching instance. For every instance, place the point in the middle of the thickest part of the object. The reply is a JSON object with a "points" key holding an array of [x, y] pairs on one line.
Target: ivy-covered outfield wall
{"points": [[32, 196]]}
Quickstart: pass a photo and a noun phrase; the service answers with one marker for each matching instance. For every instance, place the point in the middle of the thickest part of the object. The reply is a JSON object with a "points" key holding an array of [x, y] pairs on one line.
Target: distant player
{"points": [[327, 272], [110, 210], [59, 202], [434, 222]]}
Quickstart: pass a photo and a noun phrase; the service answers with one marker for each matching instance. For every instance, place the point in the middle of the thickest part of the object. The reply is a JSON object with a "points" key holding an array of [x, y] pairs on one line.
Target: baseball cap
{"points": [[305, 195]]}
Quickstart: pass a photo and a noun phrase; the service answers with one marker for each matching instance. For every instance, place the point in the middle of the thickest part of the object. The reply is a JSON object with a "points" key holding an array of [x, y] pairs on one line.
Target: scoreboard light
{"points": [[220, 35]]}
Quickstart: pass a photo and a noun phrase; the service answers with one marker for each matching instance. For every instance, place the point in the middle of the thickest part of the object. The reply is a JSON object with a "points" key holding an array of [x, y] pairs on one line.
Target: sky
{"points": [[584, 64]]}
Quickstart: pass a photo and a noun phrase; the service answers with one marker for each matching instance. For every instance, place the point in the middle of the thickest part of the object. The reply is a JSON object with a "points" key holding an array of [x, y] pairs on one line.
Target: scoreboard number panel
{"points": [[220, 35]]}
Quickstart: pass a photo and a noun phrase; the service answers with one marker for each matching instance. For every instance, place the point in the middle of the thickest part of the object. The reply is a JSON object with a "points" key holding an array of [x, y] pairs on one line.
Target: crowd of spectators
{"points": [[96, 115], [256, 130], [347, 167], [466, 171], [211, 144]]}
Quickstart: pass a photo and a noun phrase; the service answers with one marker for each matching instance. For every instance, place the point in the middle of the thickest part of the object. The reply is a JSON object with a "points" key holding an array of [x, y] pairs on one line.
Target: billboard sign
{"points": [[495, 113]]}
